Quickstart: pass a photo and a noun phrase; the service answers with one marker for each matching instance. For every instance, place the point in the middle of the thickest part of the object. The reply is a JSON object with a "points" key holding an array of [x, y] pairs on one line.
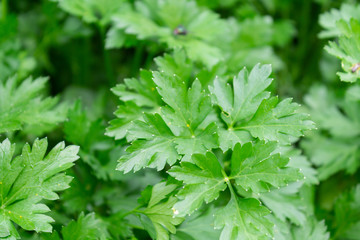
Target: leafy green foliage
{"points": [[311, 230], [255, 168], [243, 219], [345, 24], [88, 133], [176, 24], [253, 42], [219, 154], [199, 225], [347, 209], [92, 11], [13, 58], [158, 209], [330, 20], [140, 95], [23, 105], [250, 169], [182, 129], [339, 148], [29, 178], [86, 227], [204, 180], [248, 109], [181, 134]]}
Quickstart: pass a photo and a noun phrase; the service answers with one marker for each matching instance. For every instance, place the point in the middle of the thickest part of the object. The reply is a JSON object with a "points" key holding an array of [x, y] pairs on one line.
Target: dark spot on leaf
{"points": [[180, 30]]}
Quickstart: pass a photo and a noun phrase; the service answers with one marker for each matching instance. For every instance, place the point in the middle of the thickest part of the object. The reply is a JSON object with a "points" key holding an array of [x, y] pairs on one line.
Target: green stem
{"points": [[107, 61], [4, 8], [135, 210], [137, 58]]}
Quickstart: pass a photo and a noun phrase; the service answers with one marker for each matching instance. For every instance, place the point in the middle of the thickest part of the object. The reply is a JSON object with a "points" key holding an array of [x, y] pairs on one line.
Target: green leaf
{"points": [[189, 106], [149, 150], [299, 161], [347, 212], [180, 131], [329, 19], [29, 178], [198, 227], [204, 181], [92, 10], [248, 91], [138, 95], [243, 219], [201, 30], [141, 91], [126, 114], [241, 102], [332, 155], [344, 24], [177, 63], [348, 52], [277, 121], [249, 113], [256, 168], [186, 114], [88, 133], [312, 229], [286, 203], [339, 117], [86, 227], [159, 210], [24, 105]]}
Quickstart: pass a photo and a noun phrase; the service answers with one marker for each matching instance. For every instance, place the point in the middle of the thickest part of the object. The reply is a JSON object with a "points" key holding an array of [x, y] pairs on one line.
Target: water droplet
{"points": [[175, 211]]}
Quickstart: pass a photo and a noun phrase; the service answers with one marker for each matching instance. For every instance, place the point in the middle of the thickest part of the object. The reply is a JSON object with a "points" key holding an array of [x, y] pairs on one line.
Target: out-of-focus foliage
{"points": [[23, 105], [177, 24], [344, 24], [338, 147]]}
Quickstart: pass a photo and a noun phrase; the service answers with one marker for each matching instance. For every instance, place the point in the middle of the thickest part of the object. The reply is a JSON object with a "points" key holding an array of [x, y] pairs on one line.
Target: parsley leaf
{"points": [[29, 178], [276, 120], [148, 150], [24, 106], [86, 227], [204, 181], [178, 131], [92, 10], [247, 110], [158, 210], [330, 19], [344, 24], [243, 219], [177, 24], [340, 119], [254, 167], [347, 212]]}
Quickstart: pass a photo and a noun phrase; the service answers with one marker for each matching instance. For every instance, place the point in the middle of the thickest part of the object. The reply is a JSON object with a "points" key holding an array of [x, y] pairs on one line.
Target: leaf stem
{"points": [[107, 61], [228, 183], [4, 9], [138, 56], [135, 210]]}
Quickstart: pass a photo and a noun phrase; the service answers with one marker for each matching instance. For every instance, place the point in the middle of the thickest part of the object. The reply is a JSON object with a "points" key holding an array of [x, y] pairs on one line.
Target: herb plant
{"points": [[179, 120]]}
